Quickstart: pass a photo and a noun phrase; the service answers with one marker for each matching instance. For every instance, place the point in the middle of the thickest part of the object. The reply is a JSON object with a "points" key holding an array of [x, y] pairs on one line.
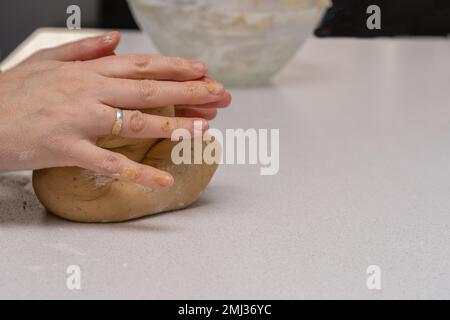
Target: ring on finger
{"points": [[118, 123]]}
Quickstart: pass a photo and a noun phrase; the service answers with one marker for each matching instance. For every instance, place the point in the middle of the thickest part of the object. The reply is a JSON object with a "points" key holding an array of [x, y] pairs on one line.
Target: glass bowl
{"points": [[244, 42]]}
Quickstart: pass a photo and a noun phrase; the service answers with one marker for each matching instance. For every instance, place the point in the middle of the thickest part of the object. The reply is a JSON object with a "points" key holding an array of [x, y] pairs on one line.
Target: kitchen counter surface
{"points": [[364, 180]]}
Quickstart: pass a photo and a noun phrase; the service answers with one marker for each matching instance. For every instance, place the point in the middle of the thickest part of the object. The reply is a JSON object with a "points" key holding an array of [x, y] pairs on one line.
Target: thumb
{"points": [[85, 49], [118, 166]]}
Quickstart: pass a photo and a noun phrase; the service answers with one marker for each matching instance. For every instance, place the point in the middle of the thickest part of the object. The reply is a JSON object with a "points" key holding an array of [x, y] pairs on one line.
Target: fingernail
{"points": [[163, 180], [198, 66], [108, 38], [215, 87]]}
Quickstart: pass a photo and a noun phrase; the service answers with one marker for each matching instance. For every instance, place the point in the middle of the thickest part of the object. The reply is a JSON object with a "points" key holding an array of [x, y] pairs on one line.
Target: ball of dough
{"points": [[81, 195]]}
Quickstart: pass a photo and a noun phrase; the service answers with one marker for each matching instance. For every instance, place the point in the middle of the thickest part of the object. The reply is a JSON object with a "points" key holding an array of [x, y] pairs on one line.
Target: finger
{"points": [[144, 126], [149, 67], [207, 114], [117, 166], [224, 102], [143, 94], [85, 49]]}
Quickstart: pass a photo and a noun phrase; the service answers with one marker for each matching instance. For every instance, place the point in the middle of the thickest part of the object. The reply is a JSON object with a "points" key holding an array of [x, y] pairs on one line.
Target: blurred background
{"points": [[18, 18]]}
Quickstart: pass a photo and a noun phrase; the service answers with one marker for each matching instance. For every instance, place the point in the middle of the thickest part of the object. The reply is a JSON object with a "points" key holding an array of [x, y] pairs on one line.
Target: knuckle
{"points": [[110, 165], [177, 61], [179, 65], [148, 89], [136, 122], [140, 62], [193, 92]]}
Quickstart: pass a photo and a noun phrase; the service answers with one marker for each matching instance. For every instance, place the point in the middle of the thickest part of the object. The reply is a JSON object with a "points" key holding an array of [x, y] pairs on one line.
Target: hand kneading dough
{"points": [[81, 195]]}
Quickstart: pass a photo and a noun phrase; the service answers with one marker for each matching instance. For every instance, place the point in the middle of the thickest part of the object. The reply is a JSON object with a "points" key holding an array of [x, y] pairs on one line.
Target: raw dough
{"points": [[81, 195]]}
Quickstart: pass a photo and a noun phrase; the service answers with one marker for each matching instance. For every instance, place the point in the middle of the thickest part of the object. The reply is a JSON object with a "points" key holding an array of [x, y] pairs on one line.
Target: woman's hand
{"points": [[98, 47], [54, 106]]}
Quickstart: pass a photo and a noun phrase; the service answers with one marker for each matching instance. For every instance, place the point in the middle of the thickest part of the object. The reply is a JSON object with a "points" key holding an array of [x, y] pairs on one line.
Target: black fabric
{"points": [[398, 17], [116, 15]]}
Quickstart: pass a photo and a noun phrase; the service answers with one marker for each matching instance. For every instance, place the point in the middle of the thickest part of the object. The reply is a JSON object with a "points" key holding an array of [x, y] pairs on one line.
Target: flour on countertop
{"points": [[18, 203], [65, 248]]}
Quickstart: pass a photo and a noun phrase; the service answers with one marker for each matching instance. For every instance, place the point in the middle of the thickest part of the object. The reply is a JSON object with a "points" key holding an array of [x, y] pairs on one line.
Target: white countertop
{"points": [[364, 180]]}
